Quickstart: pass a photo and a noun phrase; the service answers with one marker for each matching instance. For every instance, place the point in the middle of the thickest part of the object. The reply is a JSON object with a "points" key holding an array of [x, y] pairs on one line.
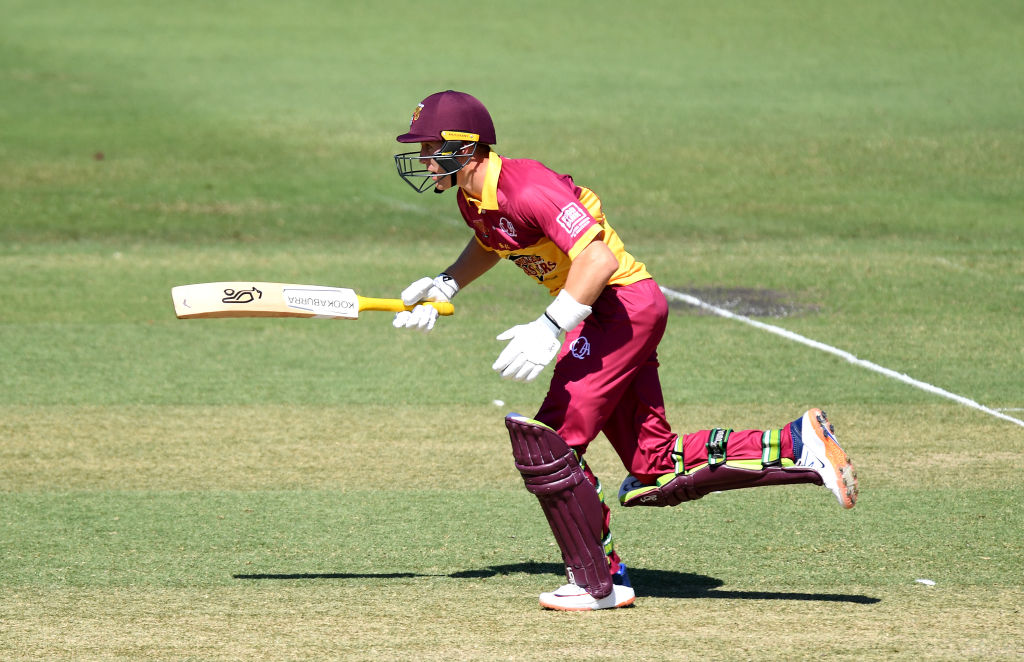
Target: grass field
{"points": [[292, 489]]}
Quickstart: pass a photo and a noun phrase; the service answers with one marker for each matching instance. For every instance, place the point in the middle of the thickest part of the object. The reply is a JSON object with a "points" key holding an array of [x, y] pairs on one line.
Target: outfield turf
{"points": [[298, 489]]}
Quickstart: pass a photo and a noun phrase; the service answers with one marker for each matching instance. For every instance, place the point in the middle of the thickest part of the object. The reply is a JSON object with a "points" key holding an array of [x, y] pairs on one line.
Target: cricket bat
{"points": [[257, 299]]}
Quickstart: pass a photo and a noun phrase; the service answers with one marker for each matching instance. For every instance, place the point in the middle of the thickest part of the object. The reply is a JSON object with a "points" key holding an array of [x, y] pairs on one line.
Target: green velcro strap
{"points": [[771, 448], [716, 443], [677, 455], [583, 465], [608, 545]]}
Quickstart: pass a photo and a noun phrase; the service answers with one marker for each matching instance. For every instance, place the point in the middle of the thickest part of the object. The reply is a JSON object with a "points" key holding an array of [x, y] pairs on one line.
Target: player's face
{"points": [[428, 149], [438, 162]]}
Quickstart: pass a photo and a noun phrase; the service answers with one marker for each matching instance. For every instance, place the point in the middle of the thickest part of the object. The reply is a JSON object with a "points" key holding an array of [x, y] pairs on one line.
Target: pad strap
{"points": [[718, 439], [771, 448]]}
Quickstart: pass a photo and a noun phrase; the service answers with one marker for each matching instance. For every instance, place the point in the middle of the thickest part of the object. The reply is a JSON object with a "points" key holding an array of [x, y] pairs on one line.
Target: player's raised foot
{"points": [[574, 598], [633, 492], [823, 453]]}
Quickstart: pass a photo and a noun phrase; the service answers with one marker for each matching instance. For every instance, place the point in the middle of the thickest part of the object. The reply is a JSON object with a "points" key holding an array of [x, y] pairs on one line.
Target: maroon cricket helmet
{"points": [[450, 115]]}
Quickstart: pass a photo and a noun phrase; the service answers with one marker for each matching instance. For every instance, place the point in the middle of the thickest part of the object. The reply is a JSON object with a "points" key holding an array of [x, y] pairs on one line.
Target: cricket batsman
{"points": [[601, 331]]}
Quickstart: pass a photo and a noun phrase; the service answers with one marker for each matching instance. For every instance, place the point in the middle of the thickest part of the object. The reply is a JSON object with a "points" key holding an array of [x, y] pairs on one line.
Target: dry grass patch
{"points": [[479, 620]]}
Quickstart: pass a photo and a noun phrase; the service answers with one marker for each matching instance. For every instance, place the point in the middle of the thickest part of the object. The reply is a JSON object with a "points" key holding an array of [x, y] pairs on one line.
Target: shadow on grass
{"points": [[648, 583]]}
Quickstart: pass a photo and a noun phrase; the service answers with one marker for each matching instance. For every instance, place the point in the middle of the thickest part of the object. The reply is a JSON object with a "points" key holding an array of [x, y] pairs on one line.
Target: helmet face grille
{"points": [[412, 166]]}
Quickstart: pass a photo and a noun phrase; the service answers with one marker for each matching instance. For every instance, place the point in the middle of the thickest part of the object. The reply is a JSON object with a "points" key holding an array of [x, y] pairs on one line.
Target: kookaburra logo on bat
{"points": [[241, 296]]}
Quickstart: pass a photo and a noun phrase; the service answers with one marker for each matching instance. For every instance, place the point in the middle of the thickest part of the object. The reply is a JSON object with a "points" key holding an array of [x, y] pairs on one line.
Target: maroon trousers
{"points": [[606, 380]]}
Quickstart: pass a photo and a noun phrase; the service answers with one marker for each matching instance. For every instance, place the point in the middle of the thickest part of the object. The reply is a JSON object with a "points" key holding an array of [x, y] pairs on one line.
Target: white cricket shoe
{"points": [[824, 454], [574, 598]]}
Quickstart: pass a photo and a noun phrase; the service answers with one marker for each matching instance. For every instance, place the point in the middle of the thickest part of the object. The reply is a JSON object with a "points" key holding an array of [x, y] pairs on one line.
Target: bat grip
{"points": [[396, 305]]}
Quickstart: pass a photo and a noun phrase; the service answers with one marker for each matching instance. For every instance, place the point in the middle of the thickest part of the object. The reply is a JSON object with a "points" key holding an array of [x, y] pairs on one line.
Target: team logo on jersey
{"points": [[580, 347], [573, 218], [534, 265], [507, 227]]}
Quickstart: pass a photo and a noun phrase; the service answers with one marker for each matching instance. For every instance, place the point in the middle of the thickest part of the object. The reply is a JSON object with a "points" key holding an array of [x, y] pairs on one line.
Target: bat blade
{"points": [[260, 299]]}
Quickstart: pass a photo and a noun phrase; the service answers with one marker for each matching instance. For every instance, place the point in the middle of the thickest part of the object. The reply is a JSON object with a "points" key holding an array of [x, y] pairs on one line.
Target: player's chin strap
{"points": [[454, 184]]}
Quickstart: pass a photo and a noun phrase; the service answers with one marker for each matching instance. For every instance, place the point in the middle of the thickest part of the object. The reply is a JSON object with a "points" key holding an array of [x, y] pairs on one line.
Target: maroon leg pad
{"points": [[689, 487], [570, 503]]}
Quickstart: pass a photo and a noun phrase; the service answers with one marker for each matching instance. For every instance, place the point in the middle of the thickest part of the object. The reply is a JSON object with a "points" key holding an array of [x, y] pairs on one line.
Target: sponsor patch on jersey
{"points": [[534, 265], [573, 219]]}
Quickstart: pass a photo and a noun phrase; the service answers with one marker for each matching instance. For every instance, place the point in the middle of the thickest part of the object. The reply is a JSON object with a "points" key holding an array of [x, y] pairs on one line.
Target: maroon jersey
{"points": [[540, 220]]}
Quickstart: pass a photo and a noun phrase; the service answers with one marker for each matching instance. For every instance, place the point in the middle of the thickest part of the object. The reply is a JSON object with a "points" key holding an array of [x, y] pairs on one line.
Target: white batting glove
{"points": [[441, 288], [421, 317], [531, 348], [533, 345]]}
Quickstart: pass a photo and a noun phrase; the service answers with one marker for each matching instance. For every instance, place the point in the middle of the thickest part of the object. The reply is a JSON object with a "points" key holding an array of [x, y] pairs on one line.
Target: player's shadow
{"points": [[652, 583]]}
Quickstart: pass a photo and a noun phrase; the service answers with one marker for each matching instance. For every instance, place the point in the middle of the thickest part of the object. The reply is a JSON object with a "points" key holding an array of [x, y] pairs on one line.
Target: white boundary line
{"points": [[796, 337]]}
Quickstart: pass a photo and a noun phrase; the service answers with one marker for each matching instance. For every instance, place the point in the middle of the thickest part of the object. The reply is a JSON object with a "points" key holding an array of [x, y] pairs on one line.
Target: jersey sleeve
{"points": [[562, 218], [482, 244]]}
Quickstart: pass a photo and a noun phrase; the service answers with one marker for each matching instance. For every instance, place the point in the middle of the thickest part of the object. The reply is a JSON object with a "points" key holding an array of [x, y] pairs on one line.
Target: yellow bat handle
{"points": [[396, 305]]}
